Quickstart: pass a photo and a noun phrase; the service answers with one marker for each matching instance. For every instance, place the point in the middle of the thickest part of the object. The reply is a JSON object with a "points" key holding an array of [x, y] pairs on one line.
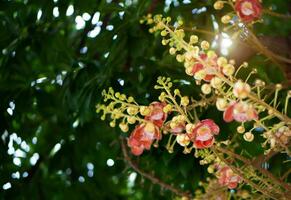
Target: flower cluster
{"points": [[227, 177], [240, 100]]}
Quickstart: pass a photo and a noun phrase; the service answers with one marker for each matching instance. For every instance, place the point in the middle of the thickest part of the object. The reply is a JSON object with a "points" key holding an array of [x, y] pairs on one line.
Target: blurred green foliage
{"points": [[53, 145]]}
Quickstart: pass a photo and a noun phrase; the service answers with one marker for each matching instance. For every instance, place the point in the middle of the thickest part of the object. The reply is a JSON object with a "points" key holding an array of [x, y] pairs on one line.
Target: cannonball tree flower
{"points": [[240, 112], [142, 137], [228, 178], [156, 114], [204, 70], [202, 134], [248, 10]]}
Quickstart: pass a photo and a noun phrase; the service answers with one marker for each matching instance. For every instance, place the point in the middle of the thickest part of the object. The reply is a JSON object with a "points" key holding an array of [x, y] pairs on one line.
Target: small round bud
{"points": [[204, 45], [279, 86], [221, 61], [130, 99], [177, 92], [189, 128], [180, 58], [228, 69], [206, 89], [210, 169], [200, 75], [172, 50], [271, 112], [165, 42], [123, 127], [168, 108], [216, 82], [225, 19], [221, 104], [248, 136], [185, 101], [183, 140], [132, 110], [144, 110], [131, 120], [194, 39], [218, 5], [189, 71], [112, 124], [164, 33], [258, 83], [240, 129]]}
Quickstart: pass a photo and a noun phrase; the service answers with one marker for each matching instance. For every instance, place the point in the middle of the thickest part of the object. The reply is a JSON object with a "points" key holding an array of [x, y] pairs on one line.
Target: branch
{"points": [[149, 176]]}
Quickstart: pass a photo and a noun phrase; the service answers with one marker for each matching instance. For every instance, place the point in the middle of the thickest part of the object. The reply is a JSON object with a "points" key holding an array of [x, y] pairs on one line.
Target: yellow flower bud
{"points": [[200, 75], [228, 69], [206, 89], [172, 50], [112, 124], [225, 19], [248, 136], [189, 128], [189, 71], [168, 108], [210, 169], [183, 140], [194, 39], [221, 104], [218, 5], [131, 120], [132, 110], [204, 45], [240, 129], [216, 82], [180, 58], [221, 61], [123, 127], [144, 110], [164, 33], [185, 101]]}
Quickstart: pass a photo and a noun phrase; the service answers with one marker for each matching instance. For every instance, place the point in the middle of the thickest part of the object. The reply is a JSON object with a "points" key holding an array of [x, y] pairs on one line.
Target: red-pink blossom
{"points": [[157, 115], [248, 10], [240, 112], [210, 68], [142, 138], [228, 178], [203, 133]]}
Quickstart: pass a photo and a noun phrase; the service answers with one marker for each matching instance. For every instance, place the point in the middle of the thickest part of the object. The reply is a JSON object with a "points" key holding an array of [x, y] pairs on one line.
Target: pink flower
{"points": [[228, 178], [248, 10], [240, 112], [157, 115], [203, 133], [208, 71], [142, 138]]}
